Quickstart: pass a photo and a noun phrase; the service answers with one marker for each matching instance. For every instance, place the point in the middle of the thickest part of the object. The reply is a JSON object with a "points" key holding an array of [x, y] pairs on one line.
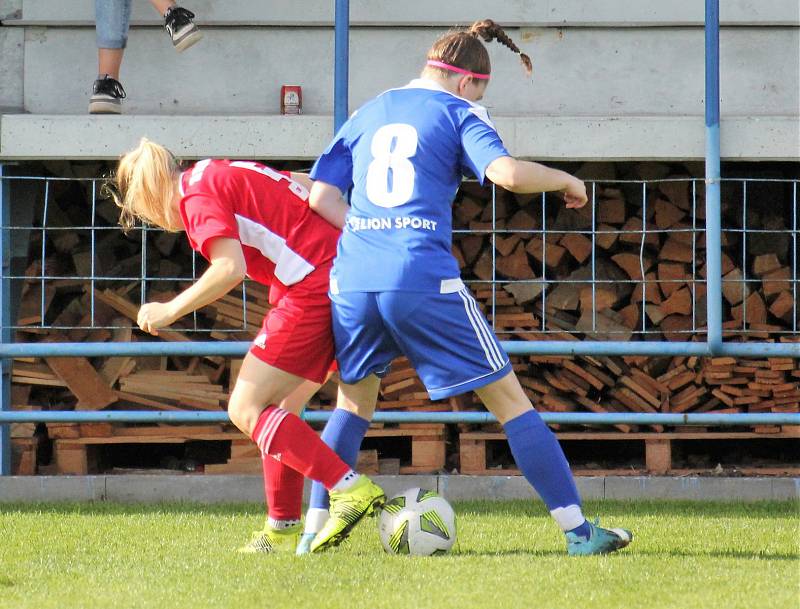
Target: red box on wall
{"points": [[291, 99]]}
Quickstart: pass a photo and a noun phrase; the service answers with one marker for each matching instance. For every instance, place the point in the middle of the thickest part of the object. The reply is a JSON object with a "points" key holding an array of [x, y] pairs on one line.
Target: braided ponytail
{"points": [[488, 30]]}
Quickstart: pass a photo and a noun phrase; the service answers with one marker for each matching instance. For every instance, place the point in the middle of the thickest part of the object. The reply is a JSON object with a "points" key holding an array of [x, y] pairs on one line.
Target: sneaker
{"points": [[600, 541], [304, 545], [347, 509], [273, 540], [107, 96], [180, 27]]}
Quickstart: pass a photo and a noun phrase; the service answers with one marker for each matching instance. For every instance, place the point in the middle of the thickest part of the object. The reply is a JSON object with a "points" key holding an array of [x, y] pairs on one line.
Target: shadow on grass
{"points": [[633, 553]]}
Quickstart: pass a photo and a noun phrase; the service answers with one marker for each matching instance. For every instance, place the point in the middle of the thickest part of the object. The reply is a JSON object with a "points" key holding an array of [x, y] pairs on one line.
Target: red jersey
{"points": [[283, 240]]}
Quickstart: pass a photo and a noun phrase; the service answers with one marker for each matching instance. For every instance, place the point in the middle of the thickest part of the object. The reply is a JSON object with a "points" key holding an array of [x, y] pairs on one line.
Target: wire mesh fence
{"points": [[630, 265]]}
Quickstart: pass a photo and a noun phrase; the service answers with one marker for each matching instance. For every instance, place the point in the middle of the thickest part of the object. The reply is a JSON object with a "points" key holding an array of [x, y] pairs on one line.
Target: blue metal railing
{"points": [[714, 346]]}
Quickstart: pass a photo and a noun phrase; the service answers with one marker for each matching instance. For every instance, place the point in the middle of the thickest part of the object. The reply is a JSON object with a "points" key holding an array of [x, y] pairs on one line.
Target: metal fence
{"points": [[713, 344]]}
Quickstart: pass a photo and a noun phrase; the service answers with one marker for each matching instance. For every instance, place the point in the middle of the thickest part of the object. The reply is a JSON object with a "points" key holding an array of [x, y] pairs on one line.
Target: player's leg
{"points": [[284, 436], [454, 350], [344, 433], [363, 350], [112, 20], [283, 490]]}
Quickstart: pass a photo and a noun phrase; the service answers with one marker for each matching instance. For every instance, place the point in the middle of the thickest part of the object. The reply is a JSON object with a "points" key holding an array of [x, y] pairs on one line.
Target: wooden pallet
{"points": [[23, 456], [79, 455], [427, 445], [75, 453], [658, 449], [427, 453]]}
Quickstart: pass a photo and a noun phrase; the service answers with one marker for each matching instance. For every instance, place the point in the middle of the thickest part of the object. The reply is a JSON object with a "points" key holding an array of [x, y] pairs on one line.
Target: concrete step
{"points": [[32, 136], [131, 488], [569, 13], [237, 70]]}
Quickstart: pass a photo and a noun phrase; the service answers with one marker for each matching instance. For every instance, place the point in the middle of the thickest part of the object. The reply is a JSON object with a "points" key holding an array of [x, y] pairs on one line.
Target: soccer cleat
{"points": [[347, 509], [304, 545], [180, 27], [600, 541], [272, 540], [107, 96]]}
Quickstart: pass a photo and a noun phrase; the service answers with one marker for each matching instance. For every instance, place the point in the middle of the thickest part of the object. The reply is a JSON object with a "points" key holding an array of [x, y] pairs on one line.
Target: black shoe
{"points": [[107, 96], [180, 27]]}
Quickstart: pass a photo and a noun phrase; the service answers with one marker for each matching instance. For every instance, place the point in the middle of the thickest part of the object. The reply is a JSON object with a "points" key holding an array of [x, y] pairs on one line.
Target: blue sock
{"points": [[343, 432], [541, 460]]}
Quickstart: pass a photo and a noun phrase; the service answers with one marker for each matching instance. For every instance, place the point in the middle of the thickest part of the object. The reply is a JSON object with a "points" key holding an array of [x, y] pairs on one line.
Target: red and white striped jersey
{"points": [[283, 240]]}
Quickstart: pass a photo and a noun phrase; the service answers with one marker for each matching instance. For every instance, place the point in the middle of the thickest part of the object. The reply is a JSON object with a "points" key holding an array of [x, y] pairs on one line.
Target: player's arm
{"points": [[328, 202], [226, 271], [527, 177]]}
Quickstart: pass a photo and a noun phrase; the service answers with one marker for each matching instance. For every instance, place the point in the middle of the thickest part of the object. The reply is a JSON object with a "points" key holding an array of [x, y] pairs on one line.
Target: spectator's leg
{"points": [[162, 5]]}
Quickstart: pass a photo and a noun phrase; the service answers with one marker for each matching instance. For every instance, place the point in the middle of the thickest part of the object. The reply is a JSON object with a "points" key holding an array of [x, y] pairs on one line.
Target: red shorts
{"points": [[296, 335]]}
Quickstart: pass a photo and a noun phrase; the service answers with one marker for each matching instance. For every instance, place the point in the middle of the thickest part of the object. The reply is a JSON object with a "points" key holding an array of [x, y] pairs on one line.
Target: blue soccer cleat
{"points": [[304, 545], [600, 541]]}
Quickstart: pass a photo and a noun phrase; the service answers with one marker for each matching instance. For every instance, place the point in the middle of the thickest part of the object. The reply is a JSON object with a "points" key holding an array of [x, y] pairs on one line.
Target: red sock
{"points": [[281, 433], [283, 488]]}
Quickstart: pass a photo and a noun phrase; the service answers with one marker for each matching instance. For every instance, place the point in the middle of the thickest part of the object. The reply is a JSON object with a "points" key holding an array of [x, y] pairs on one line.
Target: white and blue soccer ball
{"points": [[417, 522]]}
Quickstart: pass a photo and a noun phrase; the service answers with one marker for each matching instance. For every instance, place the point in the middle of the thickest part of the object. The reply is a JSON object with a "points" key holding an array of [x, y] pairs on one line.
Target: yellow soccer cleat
{"points": [[271, 540], [347, 509]]}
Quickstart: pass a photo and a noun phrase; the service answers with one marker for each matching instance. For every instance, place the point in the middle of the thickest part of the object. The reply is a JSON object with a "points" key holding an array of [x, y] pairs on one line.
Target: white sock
{"points": [[346, 481], [569, 517], [282, 524], [315, 519]]}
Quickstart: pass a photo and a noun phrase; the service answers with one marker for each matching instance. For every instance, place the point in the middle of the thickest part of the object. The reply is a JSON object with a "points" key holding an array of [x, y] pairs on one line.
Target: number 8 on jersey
{"points": [[390, 175]]}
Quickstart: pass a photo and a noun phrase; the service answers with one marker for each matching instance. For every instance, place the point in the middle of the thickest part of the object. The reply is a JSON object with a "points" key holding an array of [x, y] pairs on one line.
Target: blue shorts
{"points": [[445, 336]]}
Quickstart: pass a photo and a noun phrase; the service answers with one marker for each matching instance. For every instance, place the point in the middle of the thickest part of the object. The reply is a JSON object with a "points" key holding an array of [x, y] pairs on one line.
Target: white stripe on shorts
{"points": [[489, 333], [481, 331]]}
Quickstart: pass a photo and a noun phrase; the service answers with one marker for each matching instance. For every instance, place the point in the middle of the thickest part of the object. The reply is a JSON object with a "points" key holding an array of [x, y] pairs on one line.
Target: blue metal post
{"points": [[341, 50], [5, 322], [713, 222]]}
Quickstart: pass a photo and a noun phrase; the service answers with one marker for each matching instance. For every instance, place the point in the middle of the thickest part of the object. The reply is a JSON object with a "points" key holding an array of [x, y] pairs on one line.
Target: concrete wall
{"points": [[611, 62], [580, 71]]}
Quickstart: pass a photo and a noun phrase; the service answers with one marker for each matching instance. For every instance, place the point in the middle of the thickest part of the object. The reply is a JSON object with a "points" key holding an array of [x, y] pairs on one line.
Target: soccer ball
{"points": [[418, 522]]}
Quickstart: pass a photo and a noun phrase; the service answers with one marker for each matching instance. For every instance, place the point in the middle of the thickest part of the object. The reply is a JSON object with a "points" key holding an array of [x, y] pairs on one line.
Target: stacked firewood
{"points": [[649, 270], [539, 271]]}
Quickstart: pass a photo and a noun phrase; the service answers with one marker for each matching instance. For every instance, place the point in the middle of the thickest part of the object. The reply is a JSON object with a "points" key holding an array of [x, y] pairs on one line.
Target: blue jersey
{"points": [[402, 157]]}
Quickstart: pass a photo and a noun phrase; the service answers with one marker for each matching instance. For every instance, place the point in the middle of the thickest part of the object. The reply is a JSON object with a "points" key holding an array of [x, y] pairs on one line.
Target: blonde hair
{"points": [[463, 48], [144, 185]]}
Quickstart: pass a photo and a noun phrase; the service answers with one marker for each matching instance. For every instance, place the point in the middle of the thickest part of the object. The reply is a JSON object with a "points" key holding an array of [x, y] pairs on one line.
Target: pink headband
{"points": [[447, 66]]}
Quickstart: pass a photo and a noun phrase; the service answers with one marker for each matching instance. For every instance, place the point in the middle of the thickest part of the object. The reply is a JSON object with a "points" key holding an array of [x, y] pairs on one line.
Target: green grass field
{"points": [[509, 554]]}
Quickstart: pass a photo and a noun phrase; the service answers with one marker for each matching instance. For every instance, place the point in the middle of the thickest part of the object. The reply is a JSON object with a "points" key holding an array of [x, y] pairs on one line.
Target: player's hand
{"points": [[154, 315], [575, 194]]}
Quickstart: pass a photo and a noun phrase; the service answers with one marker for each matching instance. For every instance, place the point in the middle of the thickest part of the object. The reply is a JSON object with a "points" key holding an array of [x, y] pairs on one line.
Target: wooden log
{"points": [[766, 263], [606, 236], [467, 209], [667, 214], [776, 281], [632, 265], [505, 245], [671, 277], [679, 302], [611, 211], [677, 192], [84, 382], [599, 298], [675, 251], [634, 233], [522, 221], [552, 254], [516, 265], [753, 310], [578, 246]]}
